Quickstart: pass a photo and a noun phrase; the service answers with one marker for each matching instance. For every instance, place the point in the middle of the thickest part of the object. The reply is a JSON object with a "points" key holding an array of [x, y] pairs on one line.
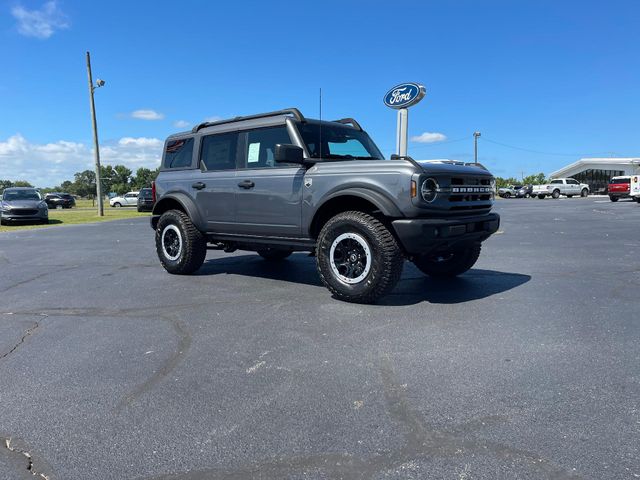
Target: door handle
{"points": [[246, 184], [198, 185]]}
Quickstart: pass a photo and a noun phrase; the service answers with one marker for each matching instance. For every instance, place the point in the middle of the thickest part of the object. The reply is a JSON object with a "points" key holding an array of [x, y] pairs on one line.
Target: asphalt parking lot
{"points": [[527, 367]]}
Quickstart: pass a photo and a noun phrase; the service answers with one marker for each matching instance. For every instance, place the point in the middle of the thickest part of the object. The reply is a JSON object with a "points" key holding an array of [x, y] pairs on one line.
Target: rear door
{"points": [[268, 194], [214, 184]]}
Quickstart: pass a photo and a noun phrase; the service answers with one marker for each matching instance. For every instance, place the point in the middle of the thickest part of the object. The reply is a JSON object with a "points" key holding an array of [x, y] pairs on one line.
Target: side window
{"points": [[178, 153], [218, 152], [555, 182], [351, 147], [572, 182], [261, 146]]}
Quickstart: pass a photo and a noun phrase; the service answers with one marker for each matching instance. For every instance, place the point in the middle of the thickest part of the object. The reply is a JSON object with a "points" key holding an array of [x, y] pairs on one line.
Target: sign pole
{"points": [[403, 131]]}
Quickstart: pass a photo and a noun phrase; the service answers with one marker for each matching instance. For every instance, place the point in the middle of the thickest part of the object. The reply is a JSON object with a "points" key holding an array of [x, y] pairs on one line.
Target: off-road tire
{"points": [[584, 192], [459, 262], [274, 254], [555, 194], [386, 257], [613, 199], [193, 248]]}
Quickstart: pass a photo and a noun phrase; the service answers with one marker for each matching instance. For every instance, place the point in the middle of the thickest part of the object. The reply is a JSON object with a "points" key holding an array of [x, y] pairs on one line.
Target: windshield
{"points": [[10, 195], [337, 142]]}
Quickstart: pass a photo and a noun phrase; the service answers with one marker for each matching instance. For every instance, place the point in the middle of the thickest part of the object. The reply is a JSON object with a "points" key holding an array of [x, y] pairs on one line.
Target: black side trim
{"points": [[297, 243]]}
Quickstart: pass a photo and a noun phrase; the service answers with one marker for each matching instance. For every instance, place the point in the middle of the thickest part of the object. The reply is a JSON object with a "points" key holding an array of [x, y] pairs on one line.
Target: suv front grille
{"points": [[465, 193], [23, 211]]}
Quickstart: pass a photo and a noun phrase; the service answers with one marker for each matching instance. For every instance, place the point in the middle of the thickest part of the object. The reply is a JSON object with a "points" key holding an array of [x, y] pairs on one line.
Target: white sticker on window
{"points": [[254, 153]]}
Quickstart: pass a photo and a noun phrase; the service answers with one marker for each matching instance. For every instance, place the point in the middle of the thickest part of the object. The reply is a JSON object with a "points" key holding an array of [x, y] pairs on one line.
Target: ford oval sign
{"points": [[404, 95]]}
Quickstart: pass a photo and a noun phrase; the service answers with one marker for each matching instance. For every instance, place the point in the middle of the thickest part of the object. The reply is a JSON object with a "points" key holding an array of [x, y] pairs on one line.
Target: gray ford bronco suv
{"points": [[278, 182]]}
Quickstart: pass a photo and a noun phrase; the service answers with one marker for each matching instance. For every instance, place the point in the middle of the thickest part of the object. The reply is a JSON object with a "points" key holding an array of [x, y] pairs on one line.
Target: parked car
{"points": [[510, 191], [619, 187], [278, 182], [60, 200], [23, 204], [145, 200], [561, 186], [524, 191], [129, 199]]}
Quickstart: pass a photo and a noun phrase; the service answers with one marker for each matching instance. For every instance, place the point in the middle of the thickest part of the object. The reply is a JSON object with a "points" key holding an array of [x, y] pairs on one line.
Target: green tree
{"points": [[85, 183], [143, 178], [22, 183], [5, 184], [537, 179]]}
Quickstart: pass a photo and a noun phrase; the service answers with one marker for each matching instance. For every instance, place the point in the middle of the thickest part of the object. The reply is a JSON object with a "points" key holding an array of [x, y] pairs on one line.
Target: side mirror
{"points": [[286, 153]]}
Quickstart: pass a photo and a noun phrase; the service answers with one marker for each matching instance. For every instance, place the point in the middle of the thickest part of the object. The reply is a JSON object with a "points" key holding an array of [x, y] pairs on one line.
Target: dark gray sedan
{"points": [[23, 204]]}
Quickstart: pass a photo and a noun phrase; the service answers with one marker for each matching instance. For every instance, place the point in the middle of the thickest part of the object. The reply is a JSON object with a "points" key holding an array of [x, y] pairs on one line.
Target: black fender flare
{"points": [[187, 204], [381, 201]]}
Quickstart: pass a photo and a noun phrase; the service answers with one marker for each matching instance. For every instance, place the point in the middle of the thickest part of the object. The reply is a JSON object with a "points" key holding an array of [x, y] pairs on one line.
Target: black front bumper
{"points": [[420, 236]]}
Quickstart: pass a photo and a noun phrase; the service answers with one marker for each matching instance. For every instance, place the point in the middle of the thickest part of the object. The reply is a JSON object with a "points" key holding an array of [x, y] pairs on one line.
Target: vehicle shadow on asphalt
{"points": [[414, 287], [476, 284]]}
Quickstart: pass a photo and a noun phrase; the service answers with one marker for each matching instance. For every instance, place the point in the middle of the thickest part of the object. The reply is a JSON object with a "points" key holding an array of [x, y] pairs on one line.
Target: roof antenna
{"points": [[320, 129]]}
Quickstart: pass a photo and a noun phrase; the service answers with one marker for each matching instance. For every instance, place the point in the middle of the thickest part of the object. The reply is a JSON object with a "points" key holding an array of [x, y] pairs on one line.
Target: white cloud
{"points": [[429, 137], [147, 115], [40, 23], [49, 164], [181, 124]]}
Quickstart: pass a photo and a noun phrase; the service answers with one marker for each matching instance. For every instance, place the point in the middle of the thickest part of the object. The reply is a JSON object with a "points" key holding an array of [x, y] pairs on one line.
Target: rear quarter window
{"points": [[178, 153]]}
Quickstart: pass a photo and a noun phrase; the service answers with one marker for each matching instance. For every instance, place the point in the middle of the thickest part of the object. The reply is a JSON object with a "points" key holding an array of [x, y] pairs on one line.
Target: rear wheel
{"points": [[507, 195], [584, 192], [274, 254], [358, 258], [541, 196], [181, 247], [555, 194], [449, 264], [613, 199]]}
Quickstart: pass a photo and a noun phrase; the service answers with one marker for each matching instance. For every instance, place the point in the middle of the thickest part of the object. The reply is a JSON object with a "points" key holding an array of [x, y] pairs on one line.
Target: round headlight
{"points": [[429, 190]]}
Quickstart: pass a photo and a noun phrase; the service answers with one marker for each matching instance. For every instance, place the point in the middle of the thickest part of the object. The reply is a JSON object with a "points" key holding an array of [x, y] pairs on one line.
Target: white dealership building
{"points": [[597, 172]]}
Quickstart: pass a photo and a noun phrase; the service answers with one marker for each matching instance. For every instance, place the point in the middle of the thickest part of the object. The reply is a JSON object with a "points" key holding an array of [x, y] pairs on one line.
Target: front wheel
{"points": [[584, 192], [507, 195], [613, 199], [358, 258], [555, 194], [541, 197], [181, 247], [117, 205]]}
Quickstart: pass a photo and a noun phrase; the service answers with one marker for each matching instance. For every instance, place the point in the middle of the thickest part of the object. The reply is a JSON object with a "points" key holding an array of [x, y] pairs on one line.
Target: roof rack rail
{"points": [[348, 121], [287, 111]]}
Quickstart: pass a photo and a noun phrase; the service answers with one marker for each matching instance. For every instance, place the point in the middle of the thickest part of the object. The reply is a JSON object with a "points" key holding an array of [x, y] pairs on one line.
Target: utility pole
{"points": [[92, 88], [475, 146]]}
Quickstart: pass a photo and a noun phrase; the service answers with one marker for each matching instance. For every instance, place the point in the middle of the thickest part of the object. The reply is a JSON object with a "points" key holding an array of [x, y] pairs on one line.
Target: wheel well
{"points": [[343, 203], [164, 206]]}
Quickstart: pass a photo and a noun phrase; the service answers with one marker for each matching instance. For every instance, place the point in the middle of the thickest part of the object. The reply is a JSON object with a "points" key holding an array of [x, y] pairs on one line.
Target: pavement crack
{"points": [[184, 343], [30, 465], [37, 277], [26, 334]]}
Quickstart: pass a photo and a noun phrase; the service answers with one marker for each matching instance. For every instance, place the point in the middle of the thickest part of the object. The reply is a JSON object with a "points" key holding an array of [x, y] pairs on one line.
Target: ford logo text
{"points": [[404, 95]]}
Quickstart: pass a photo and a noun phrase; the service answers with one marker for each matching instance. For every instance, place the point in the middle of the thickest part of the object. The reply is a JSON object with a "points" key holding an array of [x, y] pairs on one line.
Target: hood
{"points": [[23, 203], [450, 167]]}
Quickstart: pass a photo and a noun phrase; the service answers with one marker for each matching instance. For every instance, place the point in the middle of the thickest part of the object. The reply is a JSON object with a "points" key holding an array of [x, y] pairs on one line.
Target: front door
{"points": [[269, 194]]}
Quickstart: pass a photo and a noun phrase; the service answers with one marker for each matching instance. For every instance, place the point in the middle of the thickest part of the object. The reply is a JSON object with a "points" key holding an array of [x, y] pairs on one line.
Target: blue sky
{"points": [[556, 77]]}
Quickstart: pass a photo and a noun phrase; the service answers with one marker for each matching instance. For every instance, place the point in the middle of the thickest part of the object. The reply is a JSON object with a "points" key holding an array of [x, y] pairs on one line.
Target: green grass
{"points": [[82, 213]]}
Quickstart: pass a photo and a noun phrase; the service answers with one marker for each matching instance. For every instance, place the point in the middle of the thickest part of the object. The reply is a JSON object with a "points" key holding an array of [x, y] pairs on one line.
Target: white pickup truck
{"points": [[635, 188], [561, 186]]}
